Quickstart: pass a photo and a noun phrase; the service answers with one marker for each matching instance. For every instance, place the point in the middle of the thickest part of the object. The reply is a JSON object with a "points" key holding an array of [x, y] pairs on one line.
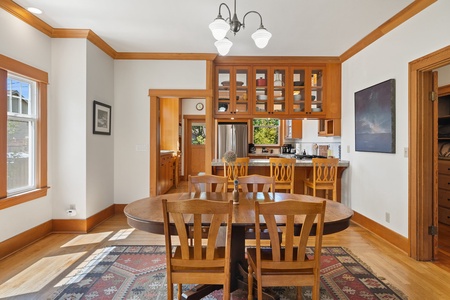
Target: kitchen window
{"points": [[23, 130], [266, 132]]}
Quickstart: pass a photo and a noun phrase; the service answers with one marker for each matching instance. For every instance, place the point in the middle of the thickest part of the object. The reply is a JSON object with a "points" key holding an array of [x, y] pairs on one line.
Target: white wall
{"points": [[67, 126], [100, 148], [132, 81], [17, 38], [378, 183]]}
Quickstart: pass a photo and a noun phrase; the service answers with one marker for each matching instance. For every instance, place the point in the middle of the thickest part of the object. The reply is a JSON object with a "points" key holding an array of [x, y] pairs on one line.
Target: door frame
{"points": [[189, 118], [422, 180]]}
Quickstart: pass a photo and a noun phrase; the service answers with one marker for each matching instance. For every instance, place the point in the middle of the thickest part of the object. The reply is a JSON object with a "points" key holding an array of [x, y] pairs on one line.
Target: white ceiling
{"points": [[299, 27]]}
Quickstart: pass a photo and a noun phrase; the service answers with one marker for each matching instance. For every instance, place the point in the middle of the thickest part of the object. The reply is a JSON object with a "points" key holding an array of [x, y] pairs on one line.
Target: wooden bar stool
{"points": [[235, 169], [324, 176], [283, 171]]}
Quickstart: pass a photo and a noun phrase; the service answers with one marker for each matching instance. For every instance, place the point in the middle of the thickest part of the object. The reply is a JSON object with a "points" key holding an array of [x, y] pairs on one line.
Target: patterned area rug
{"points": [[139, 272]]}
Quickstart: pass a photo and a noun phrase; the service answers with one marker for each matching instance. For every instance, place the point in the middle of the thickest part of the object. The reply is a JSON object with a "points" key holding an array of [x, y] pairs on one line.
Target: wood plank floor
{"points": [[25, 273]]}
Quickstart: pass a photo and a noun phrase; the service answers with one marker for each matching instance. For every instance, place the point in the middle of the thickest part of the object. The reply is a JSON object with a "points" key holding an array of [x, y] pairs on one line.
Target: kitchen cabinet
{"points": [[308, 91], [270, 91], [330, 127], [232, 91], [444, 191], [166, 172], [293, 129], [287, 89]]}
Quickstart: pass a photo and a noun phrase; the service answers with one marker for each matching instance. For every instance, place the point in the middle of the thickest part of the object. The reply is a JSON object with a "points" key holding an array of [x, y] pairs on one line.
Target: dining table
{"points": [[146, 214]]}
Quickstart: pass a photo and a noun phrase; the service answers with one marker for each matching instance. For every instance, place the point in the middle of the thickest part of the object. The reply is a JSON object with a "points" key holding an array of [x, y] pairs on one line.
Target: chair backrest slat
{"points": [[257, 182], [207, 183]]}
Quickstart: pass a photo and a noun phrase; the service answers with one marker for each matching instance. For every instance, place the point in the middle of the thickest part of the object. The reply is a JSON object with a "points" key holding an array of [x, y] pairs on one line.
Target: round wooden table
{"points": [[146, 214]]}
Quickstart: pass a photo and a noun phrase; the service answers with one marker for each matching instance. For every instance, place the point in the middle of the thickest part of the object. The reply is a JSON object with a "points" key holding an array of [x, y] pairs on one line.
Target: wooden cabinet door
{"points": [[232, 91], [270, 94]]}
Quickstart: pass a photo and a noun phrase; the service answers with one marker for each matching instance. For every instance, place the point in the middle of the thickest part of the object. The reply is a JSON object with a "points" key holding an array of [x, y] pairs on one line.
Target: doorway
{"points": [[422, 163], [195, 141]]}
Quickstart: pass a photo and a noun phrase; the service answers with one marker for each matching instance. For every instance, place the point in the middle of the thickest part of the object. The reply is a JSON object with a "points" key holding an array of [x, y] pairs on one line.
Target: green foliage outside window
{"points": [[266, 131], [198, 135]]}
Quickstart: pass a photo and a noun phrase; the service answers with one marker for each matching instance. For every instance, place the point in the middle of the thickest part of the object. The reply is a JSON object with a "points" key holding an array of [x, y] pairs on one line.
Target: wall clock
{"points": [[199, 106]]}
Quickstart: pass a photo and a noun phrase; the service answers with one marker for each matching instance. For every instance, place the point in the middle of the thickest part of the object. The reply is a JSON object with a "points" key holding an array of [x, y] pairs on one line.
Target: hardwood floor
{"points": [[24, 274]]}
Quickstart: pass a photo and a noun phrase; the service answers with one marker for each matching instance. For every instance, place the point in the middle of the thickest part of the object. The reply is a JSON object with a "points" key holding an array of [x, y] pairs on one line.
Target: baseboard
{"points": [[385, 233], [24, 239], [32, 235]]}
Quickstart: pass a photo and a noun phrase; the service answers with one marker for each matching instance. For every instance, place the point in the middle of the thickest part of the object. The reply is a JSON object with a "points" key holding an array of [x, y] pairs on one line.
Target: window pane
{"points": [[19, 154], [266, 131], [19, 93], [198, 134]]}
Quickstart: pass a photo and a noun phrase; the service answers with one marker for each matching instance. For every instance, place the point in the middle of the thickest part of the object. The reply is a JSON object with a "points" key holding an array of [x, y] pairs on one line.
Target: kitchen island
{"points": [[303, 167]]}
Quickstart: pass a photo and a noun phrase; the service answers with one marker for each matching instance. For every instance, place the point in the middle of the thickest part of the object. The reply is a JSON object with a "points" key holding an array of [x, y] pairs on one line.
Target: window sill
{"points": [[23, 197]]}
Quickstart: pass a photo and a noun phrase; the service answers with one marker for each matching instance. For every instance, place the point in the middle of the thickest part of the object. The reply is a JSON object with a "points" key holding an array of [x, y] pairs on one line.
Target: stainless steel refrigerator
{"points": [[232, 136]]}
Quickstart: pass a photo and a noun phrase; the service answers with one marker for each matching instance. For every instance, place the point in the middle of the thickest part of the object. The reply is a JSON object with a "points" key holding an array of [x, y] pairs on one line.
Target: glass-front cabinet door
{"points": [[307, 91], [270, 90], [232, 93]]}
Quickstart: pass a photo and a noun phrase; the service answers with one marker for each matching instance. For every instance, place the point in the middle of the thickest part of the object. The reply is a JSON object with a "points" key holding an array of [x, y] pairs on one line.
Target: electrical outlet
{"points": [[348, 148], [405, 152], [388, 217]]}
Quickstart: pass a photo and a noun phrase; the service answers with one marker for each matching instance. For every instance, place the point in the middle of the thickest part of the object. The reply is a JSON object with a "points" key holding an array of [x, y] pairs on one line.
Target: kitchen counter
{"points": [[264, 162], [303, 169], [163, 152]]}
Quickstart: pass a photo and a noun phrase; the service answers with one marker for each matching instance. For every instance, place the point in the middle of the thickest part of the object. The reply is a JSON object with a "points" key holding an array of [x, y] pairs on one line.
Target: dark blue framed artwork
{"points": [[375, 118]]}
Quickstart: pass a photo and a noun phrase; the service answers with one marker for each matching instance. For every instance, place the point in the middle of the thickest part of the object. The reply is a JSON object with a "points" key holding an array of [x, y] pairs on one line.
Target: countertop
{"points": [[163, 152], [264, 162]]}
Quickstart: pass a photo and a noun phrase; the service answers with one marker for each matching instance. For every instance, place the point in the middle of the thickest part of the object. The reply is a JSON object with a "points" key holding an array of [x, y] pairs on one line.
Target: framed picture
{"points": [[375, 118], [102, 118]]}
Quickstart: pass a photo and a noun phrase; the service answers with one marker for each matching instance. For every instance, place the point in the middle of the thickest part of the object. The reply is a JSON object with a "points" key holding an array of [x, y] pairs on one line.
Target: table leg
{"points": [[237, 254]]}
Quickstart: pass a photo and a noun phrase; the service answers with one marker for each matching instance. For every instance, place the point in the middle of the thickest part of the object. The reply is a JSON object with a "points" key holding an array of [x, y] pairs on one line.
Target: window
{"points": [[23, 132], [266, 132], [198, 133]]}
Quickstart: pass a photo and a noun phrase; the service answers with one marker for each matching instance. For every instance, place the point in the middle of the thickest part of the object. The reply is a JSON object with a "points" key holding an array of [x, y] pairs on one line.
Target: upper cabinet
{"points": [[232, 91], [308, 92], [270, 91], [284, 90]]}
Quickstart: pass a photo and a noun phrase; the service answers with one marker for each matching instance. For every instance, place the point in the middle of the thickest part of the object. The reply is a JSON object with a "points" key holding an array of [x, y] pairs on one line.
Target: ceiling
{"points": [[299, 27]]}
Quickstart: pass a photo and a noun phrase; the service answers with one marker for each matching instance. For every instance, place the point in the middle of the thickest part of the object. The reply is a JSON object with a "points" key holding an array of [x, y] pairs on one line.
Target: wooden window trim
{"points": [[10, 65]]}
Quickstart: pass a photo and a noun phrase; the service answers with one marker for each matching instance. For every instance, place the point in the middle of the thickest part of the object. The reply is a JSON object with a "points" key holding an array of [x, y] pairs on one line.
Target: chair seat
{"points": [[266, 255]]}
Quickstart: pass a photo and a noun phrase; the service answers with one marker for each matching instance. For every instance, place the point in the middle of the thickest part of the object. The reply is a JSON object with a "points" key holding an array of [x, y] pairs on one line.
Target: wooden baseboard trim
{"points": [[32, 235], [118, 208], [385, 233], [24, 239]]}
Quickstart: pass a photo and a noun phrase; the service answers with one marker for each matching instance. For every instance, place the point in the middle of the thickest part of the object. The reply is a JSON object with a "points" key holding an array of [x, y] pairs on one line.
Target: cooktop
{"points": [[306, 156]]}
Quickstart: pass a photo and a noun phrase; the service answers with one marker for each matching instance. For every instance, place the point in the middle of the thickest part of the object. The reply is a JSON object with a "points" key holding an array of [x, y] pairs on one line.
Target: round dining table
{"points": [[146, 214]]}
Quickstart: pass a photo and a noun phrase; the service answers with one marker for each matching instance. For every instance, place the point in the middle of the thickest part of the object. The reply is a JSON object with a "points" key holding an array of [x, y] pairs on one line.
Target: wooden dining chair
{"points": [[324, 176], [235, 169], [197, 263], [263, 184], [207, 183], [282, 169], [260, 183], [293, 264]]}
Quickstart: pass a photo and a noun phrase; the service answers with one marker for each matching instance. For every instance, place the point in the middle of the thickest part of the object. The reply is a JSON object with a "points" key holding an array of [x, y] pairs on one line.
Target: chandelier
{"points": [[220, 26]]}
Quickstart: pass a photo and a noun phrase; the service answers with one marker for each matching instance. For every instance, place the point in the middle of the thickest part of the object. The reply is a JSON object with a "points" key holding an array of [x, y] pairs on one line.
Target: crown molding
{"points": [[405, 14], [21, 13]]}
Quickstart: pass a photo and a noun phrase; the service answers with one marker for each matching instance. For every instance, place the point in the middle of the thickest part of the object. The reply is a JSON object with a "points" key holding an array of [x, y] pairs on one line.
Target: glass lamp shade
{"points": [[261, 37], [219, 28], [223, 46]]}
